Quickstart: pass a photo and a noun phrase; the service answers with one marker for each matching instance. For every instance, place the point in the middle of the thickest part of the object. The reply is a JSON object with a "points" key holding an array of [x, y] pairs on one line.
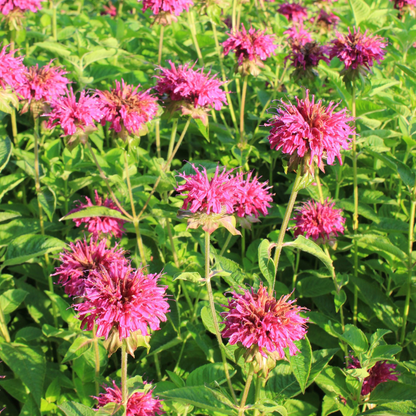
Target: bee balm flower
{"points": [[310, 132], [12, 70], [166, 11], [251, 48], [320, 221], [298, 34], [293, 12], [138, 404], [6, 6], [306, 56], [126, 108]]}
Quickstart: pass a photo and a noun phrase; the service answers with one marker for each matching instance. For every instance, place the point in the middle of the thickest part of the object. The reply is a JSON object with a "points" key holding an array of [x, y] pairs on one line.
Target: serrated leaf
{"points": [[79, 347], [5, 152], [96, 211], [301, 362], [360, 9], [11, 299], [47, 200], [207, 320], [355, 338], [76, 409]]}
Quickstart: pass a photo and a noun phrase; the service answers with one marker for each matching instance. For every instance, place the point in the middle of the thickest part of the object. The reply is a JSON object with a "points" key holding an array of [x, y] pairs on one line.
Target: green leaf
{"points": [[312, 286], [5, 216], [7, 183], [339, 300], [375, 242], [79, 347], [266, 407], [201, 397], [207, 320], [393, 391], [193, 277], [266, 264], [97, 211], [47, 200], [301, 362], [5, 152], [11, 299], [30, 246], [28, 363], [354, 337], [76, 409], [54, 47], [360, 9], [209, 373], [97, 55], [311, 247], [202, 129]]}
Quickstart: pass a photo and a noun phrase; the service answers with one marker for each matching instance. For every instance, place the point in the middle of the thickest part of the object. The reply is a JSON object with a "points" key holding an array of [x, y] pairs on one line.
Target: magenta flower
{"points": [[165, 11], [310, 131], [126, 108], [123, 299], [72, 116], [297, 33], [138, 404], [98, 226], [326, 20], [12, 70], [45, 83], [257, 318], [401, 4], [293, 12], [320, 221], [252, 197], [81, 258], [6, 6], [191, 91], [358, 50], [109, 10], [379, 373], [250, 48], [306, 56]]}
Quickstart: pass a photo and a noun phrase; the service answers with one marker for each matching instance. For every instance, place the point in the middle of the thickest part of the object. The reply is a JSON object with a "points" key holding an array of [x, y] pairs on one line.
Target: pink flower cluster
{"points": [[257, 318], [12, 70], [358, 49], [138, 404], [326, 20], [109, 10], [191, 86], [319, 221], [126, 108], [224, 193], [379, 373], [297, 33], [122, 298], [6, 6], [309, 129], [293, 12], [170, 8], [400, 4], [308, 55], [252, 45], [98, 226]]}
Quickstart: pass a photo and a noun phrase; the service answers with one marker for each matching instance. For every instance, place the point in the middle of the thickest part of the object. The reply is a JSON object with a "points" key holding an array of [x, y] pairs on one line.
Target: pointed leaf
{"points": [[301, 362], [96, 211], [76, 409], [5, 152]]}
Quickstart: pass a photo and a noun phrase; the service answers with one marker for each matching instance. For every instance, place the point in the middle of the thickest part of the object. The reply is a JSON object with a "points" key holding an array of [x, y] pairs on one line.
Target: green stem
{"points": [[243, 103], [227, 241], [257, 393], [245, 393], [285, 222], [192, 27], [4, 328], [234, 16], [159, 56], [97, 361], [133, 210], [14, 126], [409, 263], [124, 376], [243, 244], [120, 8], [172, 138], [157, 365], [157, 128], [54, 23], [214, 315], [295, 274]]}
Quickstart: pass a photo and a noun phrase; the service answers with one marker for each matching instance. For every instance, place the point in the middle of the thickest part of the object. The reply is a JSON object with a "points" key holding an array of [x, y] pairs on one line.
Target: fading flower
{"points": [[257, 321], [310, 132], [138, 404], [76, 118], [326, 20], [191, 91], [123, 300], [12, 70], [98, 226], [251, 48], [126, 108], [358, 50], [379, 373], [165, 11], [81, 258], [321, 222], [293, 12], [307, 56], [298, 34]]}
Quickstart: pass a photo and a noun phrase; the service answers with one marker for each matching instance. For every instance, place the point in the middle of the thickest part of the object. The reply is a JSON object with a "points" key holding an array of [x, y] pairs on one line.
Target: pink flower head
{"points": [[293, 12], [111, 10], [100, 225], [12, 70], [297, 33], [72, 116], [257, 318], [44, 84], [250, 47], [122, 298], [193, 91], [310, 130], [326, 20], [379, 373], [6, 6], [138, 404], [252, 197], [166, 10], [126, 108], [319, 221], [216, 195], [308, 55], [400, 4], [358, 49], [80, 259]]}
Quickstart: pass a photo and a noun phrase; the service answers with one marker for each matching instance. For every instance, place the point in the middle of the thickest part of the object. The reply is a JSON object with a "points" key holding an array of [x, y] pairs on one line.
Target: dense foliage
{"points": [[207, 209]]}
